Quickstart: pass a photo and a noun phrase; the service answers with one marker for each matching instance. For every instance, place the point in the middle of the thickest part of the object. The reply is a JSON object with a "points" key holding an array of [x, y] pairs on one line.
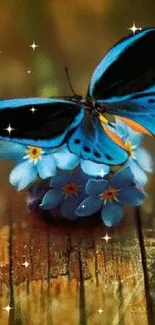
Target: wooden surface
{"points": [[73, 272]]}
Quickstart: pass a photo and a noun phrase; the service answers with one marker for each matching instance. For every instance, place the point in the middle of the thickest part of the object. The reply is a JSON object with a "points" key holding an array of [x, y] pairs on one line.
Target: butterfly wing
{"points": [[91, 142], [49, 123], [138, 112], [124, 81], [128, 67], [39, 121]]}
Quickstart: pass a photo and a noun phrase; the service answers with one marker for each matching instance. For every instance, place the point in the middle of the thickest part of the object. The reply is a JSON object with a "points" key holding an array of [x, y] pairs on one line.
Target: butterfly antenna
{"points": [[69, 82]]}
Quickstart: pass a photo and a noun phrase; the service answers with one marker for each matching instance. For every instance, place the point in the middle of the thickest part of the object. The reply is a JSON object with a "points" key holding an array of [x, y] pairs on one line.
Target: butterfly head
{"points": [[90, 105], [97, 110]]}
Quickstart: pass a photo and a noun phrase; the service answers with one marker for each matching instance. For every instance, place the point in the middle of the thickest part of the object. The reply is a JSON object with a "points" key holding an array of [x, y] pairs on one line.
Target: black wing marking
{"points": [[48, 126], [127, 68]]}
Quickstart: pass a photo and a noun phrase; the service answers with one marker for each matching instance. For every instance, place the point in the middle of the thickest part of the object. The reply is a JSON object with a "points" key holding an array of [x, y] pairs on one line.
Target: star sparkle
{"points": [[106, 237], [28, 71], [33, 45], [8, 308], [9, 129], [134, 29], [101, 173], [33, 109], [100, 311], [26, 264]]}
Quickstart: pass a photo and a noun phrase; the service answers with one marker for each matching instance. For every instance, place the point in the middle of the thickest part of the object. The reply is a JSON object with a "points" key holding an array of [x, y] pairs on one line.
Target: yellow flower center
{"points": [[109, 194], [129, 148], [34, 152], [71, 189]]}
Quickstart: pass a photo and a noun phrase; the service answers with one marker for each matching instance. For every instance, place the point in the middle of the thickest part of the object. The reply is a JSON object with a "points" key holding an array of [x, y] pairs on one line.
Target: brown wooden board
{"points": [[73, 272]]}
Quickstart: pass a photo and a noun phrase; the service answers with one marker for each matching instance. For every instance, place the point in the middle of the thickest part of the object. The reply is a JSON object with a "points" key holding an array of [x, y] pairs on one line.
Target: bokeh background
{"points": [[72, 273]]}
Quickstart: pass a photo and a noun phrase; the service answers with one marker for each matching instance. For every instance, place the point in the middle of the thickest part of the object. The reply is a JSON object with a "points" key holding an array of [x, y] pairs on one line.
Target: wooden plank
{"points": [[73, 272], [147, 262]]}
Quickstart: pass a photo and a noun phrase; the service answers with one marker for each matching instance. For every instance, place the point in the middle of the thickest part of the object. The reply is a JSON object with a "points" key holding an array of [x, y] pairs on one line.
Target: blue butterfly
{"points": [[123, 85]]}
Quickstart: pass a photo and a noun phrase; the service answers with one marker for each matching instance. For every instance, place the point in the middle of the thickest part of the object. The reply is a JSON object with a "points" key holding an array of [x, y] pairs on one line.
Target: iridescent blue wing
{"points": [[124, 81], [90, 141], [49, 123], [40, 122], [138, 111], [128, 67]]}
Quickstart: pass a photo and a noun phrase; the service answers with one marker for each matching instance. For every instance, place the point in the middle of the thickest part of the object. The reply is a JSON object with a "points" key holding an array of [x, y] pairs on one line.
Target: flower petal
{"points": [[135, 137], [128, 133], [23, 174], [131, 196], [65, 159], [64, 177], [123, 178], [12, 151], [46, 166], [79, 176], [68, 207], [120, 129], [51, 199], [89, 206], [93, 169], [139, 175], [144, 160], [60, 179], [95, 187], [112, 213]]}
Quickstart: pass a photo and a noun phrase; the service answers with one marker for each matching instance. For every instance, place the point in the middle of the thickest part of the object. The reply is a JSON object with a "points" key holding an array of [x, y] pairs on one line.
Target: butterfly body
{"points": [[122, 85]]}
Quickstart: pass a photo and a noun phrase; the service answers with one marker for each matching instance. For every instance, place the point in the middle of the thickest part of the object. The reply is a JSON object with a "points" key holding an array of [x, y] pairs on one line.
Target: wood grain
{"points": [[72, 271]]}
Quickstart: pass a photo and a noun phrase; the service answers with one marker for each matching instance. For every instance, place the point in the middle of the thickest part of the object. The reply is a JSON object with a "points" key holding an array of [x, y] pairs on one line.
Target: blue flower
{"points": [[32, 161], [35, 160], [111, 196], [139, 160], [93, 169], [67, 160], [68, 190]]}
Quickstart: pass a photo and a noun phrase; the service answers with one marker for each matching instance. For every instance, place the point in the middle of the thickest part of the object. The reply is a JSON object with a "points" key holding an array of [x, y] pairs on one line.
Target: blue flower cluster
{"points": [[78, 187]]}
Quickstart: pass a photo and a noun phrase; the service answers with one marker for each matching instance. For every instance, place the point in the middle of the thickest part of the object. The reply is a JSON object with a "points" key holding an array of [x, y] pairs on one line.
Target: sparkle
{"points": [[83, 206], [26, 264], [8, 308], [100, 311], [106, 238], [28, 71], [34, 46], [102, 173], [9, 129], [134, 29], [33, 109]]}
